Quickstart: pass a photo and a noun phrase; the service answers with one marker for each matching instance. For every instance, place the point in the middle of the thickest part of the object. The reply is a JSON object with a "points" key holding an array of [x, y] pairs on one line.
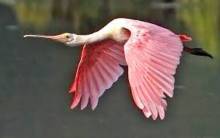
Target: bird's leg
{"points": [[197, 51], [193, 51]]}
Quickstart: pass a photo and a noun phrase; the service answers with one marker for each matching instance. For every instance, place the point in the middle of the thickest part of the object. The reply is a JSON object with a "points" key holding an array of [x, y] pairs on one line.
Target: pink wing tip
{"points": [[82, 107], [147, 114], [94, 103], [76, 100], [72, 89], [73, 106]]}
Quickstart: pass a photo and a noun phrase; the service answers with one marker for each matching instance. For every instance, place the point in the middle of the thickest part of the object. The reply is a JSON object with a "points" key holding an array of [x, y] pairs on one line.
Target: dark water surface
{"points": [[35, 75]]}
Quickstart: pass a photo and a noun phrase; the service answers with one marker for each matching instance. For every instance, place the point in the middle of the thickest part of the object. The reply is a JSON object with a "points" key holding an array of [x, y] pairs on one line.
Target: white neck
{"points": [[100, 35], [94, 37]]}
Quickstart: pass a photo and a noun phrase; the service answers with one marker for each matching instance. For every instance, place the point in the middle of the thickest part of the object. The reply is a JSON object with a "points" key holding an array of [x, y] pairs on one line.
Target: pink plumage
{"points": [[98, 69], [151, 53]]}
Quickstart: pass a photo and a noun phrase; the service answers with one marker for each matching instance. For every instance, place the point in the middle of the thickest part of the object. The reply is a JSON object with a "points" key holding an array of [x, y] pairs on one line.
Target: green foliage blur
{"points": [[199, 18], [202, 18]]}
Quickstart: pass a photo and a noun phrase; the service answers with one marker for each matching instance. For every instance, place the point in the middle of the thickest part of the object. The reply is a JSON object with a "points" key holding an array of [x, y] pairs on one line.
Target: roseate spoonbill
{"points": [[151, 53]]}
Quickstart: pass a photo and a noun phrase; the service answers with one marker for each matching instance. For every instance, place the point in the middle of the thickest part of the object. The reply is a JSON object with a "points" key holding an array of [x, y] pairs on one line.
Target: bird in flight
{"points": [[152, 54]]}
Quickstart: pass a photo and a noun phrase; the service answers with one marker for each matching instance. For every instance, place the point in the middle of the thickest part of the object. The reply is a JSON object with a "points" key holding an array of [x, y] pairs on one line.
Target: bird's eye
{"points": [[67, 36]]}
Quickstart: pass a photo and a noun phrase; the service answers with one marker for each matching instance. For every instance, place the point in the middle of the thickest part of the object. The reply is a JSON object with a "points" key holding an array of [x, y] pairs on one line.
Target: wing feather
{"points": [[152, 54], [98, 69]]}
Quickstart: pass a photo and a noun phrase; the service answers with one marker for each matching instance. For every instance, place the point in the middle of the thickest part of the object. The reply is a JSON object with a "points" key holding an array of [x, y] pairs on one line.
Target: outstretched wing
{"points": [[98, 69], [152, 54]]}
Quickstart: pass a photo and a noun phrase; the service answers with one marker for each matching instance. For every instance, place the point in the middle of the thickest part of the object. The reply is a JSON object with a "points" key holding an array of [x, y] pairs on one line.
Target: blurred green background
{"points": [[35, 74]]}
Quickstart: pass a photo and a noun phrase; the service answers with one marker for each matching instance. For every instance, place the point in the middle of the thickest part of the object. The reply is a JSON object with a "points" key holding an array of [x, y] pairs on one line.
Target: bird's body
{"points": [[151, 53]]}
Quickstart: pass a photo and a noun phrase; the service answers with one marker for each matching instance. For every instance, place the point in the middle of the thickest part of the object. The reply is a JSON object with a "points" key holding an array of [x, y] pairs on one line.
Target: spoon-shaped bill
{"points": [[59, 38]]}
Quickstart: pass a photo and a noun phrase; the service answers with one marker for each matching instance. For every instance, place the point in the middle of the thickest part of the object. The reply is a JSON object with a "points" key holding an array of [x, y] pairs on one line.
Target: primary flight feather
{"points": [[152, 54]]}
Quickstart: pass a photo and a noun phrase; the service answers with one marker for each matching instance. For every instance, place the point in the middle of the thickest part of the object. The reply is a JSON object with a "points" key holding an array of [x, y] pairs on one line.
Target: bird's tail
{"points": [[197, 51], [193, 51]]}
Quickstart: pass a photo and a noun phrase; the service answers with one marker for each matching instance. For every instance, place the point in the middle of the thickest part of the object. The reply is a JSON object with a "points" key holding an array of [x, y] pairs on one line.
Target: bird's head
{"points": [[66, 38]]}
